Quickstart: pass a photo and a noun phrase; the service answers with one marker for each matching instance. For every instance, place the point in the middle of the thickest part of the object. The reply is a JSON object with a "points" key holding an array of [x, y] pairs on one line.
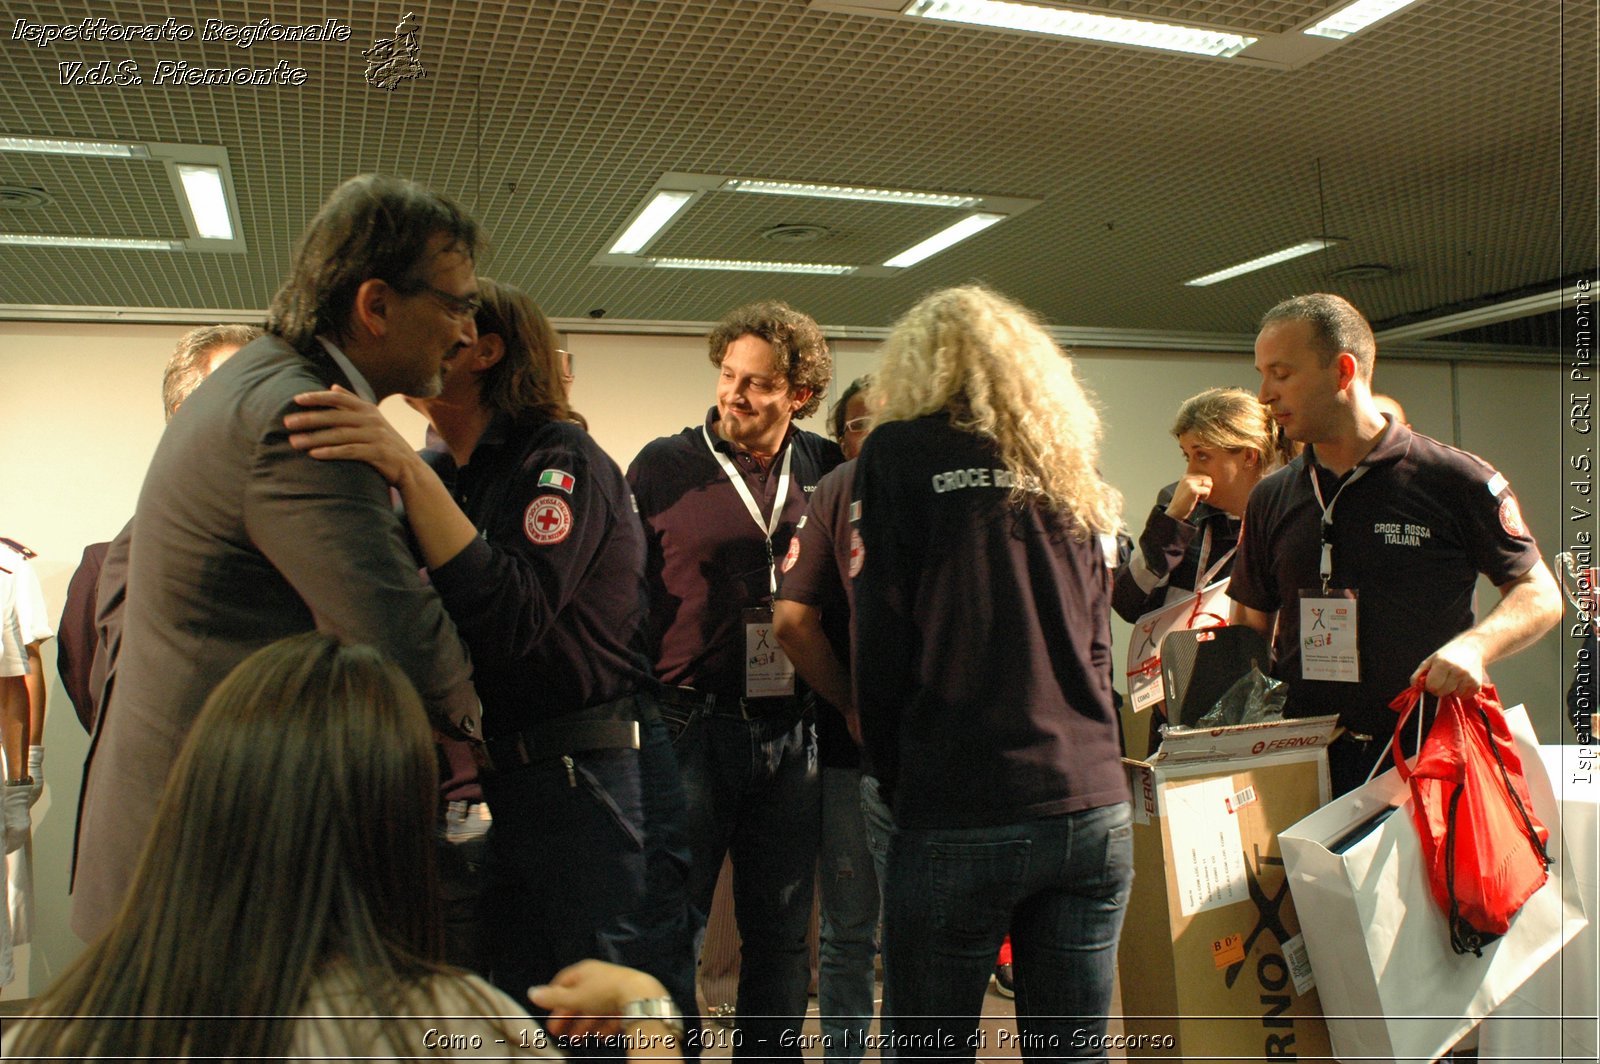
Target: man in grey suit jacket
{"points": [[240, 540]]}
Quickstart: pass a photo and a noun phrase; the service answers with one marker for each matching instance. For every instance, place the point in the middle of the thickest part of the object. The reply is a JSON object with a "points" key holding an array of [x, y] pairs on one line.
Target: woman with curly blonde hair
{"points": [[983, 676]]}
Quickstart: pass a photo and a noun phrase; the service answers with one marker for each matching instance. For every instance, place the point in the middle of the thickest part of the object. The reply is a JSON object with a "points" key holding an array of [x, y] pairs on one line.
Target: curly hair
{"points": [[988, 364], [796, 339], [1234, 419]]}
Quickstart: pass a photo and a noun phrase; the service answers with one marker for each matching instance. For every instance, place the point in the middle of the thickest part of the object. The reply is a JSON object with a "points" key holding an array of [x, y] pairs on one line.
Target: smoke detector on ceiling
{"points": [[1364, 271], [794, 233], [21, 198]]}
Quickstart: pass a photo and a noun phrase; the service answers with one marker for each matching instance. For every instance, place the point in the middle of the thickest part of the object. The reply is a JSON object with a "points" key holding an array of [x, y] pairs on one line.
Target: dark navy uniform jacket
{"points": [[982, 639], [1170, 553], [550, 597]]}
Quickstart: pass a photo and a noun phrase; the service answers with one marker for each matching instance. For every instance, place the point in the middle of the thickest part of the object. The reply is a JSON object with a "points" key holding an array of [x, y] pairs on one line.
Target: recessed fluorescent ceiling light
{"points": [[203, 186], [40, 240], [1107, 28], [971, 225], [662, 209], [1355, 18], [751, 267], [851, 192], [1264, 261], [46, 146]]}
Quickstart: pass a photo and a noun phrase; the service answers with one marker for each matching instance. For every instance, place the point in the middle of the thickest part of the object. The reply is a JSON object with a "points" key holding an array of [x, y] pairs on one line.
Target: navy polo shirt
{"points": [[982, 638], [1410, 535], [707, 561], [816, 571]]}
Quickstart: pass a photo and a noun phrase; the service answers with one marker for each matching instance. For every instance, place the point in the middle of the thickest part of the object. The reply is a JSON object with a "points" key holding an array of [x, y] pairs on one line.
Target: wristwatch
{"points": [[662, 1009]]}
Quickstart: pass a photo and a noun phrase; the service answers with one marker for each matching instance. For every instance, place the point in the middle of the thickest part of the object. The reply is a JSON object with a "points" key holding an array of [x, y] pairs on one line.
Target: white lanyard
{"points": [[1207, 575], [769, 527], [1325, 566]]}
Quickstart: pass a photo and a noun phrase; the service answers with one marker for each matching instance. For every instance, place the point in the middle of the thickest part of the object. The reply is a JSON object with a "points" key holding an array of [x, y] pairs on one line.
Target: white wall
{"points": [[80, 414]]}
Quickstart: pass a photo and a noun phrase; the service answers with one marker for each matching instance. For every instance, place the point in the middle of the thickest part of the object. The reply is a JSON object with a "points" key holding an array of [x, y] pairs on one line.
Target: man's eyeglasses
{"points": [[858, 424], [460, 307]]}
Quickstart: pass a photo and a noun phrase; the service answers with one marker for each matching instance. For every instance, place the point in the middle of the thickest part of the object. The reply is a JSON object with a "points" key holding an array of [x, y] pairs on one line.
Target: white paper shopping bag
{"points": [[1391, 986]]}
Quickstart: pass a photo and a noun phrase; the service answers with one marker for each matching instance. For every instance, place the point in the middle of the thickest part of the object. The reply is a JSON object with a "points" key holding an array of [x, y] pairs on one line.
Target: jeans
{"points": [[590, 862], [850, 906], [1059, 885], [754, 790], [879, 822]]}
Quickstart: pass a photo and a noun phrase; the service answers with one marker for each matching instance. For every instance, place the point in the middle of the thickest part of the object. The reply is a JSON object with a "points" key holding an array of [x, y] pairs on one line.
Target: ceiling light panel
{"points": [[944, 239], [851, 192], [120, 191], [1355, 18], [657, 214], [208, 203], [1305, 247], [44, 240], [51, 146], [1083, 25], [861, 224], [745, 266]]}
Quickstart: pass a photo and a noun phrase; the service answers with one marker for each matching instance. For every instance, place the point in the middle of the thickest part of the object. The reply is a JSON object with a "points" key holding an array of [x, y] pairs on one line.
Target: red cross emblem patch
{"points": [[547, 520]]}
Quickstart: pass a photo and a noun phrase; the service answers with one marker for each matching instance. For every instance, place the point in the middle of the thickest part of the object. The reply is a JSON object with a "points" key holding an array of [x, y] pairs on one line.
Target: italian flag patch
{"points": [[559, 479]]}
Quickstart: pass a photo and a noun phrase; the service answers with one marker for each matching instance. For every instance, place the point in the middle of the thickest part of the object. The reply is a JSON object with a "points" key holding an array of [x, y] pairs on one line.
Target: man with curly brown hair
{"points": [[720, 502]]}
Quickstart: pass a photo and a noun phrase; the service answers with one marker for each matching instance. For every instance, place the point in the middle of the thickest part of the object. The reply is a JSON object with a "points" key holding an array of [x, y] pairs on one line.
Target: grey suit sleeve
{"points": [[330, 530]]}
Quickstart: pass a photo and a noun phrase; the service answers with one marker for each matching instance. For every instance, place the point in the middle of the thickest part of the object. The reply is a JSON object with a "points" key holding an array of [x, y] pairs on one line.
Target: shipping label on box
{"points": [[1212, 960]]}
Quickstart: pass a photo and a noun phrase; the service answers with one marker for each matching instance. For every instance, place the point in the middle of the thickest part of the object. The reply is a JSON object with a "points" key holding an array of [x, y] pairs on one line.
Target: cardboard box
{"points": [[1212, 963]]}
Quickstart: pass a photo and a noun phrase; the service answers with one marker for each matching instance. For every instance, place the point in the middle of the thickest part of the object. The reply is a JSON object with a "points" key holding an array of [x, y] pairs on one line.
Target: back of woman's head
{"points": [[1233, 419], [295, 832], [989, 364]]}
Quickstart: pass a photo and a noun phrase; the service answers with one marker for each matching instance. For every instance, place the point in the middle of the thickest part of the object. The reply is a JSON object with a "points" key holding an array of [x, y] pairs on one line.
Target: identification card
{"points": [[1145, 686], [768, 672], [1328, 635]]}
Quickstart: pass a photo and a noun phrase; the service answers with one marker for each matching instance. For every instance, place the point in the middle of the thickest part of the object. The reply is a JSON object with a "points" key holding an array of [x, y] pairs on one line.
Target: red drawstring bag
{"points": [[1483, 848]]}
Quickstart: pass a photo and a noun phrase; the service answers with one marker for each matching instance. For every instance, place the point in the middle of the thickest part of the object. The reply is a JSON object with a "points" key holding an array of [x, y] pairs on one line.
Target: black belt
{"points": [[609, 726], [736, 705]]}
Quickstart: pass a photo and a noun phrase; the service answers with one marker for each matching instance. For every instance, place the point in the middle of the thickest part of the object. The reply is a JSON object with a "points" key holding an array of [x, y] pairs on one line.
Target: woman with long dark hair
{"points": [[283, 904]]}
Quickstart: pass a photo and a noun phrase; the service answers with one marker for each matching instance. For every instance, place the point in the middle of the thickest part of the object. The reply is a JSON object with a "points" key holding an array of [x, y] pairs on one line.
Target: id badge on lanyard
{"points": [[768, 672], [1328, 616]]}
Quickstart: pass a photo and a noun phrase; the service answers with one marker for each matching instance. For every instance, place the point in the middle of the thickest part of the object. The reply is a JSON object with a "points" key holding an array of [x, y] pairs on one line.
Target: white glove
{"points": [[18, 820], [36, 770]]}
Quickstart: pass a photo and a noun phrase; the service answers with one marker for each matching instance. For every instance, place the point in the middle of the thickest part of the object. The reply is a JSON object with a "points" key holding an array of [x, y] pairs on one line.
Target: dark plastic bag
{"points": [[1253, 698]]}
